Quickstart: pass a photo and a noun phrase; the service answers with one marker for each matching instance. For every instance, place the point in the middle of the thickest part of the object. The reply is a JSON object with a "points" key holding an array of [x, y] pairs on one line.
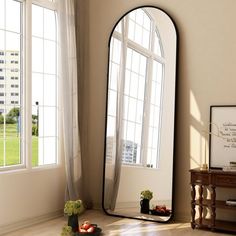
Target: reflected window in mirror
{"points": [[136, 78]]}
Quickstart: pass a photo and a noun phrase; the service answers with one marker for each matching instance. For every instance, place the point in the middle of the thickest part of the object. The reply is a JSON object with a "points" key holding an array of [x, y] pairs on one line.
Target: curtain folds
{"points": [[117, 155], [68, 86]]}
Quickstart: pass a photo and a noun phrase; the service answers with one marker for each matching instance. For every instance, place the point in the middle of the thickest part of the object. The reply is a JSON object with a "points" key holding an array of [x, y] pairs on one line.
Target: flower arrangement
{"points": [[73, 207], [146, 194]]}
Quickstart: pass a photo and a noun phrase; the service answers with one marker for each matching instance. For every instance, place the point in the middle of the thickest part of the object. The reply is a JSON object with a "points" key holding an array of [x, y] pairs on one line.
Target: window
{"points": [[1, 53], [14, 94], [2, 61], [1, 77], [142, 90], [14, 62], [15, 70], [1, 85], [38, 129]]}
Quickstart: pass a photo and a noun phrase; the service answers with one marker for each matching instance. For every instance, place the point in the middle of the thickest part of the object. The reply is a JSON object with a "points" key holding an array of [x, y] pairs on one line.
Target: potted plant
{"points": [[73, 209], [146, 196]]}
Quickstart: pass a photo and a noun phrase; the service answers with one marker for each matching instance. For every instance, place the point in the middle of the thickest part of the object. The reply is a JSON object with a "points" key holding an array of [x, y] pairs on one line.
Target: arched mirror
{"points": [[139, 140]]}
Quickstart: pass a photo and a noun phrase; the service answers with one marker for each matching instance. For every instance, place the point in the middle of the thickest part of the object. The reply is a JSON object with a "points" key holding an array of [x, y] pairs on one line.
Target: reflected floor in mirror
{"points": [[115, 226], [134, 212]]}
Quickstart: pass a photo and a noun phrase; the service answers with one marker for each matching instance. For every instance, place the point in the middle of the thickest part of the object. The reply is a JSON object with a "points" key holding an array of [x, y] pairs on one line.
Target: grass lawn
{"points": [[12, 146]]}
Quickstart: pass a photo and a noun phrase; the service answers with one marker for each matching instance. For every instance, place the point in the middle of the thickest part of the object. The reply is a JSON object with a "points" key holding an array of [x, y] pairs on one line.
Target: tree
{"points": [[12, 115], [1, 119]]}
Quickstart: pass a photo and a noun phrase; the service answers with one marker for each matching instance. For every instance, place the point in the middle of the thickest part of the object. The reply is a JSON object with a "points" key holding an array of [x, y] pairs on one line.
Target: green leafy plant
{"points": [[66, 231], [73, 207], [146, 194]]}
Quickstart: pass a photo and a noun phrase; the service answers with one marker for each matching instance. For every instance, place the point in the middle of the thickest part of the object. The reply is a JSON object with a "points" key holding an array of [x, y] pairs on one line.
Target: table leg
{"points": [[193, 211]]}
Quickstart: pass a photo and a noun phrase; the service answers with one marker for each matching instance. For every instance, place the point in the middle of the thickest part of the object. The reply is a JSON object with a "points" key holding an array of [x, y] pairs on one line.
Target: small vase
{"points": [[144, 204], [73, 222]]}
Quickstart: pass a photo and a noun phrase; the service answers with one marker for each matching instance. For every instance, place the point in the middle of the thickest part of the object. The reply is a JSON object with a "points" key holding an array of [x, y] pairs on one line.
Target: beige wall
{"points": [[206, 76], [26, 197]]}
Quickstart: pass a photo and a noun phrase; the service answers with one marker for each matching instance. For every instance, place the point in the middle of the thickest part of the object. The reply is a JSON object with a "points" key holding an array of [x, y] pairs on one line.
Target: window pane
{"points": [[2, 40], [112, 103], [49, 122], [37, 55], [134, 85], [44, 87], [141, 88], [37, 90], [10, 83], [118, 27], [116, 51], [35, 146], [132, 110], [40, 154], [146, 22], [139, 115], [49, 24], [37, 21], [157, 45], [50, 151], [111, 126], [13, 15], [127, 82], [12, 148], [114, 74], [49, 57], [139, 28], [135, 62], [2, 15], [129, 58], [131, 29], [13, 42], [138, 133], [50, 86], [130, 131]]}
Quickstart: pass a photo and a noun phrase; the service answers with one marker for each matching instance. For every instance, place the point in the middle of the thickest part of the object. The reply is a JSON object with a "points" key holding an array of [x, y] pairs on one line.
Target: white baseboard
{"points": [[29, 222]]}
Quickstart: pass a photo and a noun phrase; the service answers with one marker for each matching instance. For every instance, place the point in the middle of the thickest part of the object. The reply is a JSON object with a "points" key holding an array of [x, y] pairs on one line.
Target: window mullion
{"points": [[28, 83], [146, 111]]}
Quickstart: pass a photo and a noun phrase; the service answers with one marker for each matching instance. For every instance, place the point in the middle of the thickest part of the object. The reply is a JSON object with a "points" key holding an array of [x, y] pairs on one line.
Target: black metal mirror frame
{"points": [[106, 111]]}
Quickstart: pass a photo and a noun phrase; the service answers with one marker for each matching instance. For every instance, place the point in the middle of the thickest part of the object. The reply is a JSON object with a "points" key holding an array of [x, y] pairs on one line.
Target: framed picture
{"points": [[222, 137]]}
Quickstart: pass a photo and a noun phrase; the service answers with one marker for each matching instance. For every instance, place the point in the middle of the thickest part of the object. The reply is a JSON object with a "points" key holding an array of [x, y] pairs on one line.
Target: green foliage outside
{"points": [[12, 140]]}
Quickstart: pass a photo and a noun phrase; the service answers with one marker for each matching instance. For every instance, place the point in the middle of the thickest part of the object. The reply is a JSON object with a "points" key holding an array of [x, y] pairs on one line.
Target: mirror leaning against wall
{"points": [[139, 139]]}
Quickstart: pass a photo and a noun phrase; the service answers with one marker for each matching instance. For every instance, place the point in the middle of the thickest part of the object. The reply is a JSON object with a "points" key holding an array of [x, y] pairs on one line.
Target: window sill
{"points": [[24, 170]]}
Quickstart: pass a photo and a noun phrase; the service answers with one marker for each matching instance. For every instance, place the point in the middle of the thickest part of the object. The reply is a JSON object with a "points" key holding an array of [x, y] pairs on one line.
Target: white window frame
{"points": [[26, 75]]}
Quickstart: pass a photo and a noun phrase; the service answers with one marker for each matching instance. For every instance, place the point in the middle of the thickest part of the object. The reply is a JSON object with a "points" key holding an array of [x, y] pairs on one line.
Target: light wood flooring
{"points": [[114, 226]]}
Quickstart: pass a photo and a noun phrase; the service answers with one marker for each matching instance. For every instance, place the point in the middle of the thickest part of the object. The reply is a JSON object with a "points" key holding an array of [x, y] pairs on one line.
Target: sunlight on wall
{"points": [[194, 109], [195, 147], [198, 147]]}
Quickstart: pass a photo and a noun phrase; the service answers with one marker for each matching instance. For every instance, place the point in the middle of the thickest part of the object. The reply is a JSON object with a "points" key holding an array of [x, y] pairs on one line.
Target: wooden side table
{"points": [[211, 179]]}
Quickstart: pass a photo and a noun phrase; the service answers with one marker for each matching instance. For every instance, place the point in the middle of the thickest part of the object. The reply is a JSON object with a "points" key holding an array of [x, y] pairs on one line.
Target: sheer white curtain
{"points": [[69, 98], [119, 129]]}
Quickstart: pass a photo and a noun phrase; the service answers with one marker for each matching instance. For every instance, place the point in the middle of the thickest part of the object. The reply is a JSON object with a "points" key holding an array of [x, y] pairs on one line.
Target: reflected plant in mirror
{"points": [[139, 140]]}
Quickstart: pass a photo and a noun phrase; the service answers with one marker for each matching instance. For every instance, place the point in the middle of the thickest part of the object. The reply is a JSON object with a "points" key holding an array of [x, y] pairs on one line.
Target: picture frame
{"points": [[222, 136]]}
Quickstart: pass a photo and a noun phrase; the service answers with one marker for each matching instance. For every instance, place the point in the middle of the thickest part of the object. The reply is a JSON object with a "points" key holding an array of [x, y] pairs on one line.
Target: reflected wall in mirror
{"points": [[139, 141]]}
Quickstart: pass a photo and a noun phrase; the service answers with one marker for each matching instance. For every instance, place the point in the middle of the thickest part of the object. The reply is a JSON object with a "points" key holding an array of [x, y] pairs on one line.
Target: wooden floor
{"points": [[114, 226]]}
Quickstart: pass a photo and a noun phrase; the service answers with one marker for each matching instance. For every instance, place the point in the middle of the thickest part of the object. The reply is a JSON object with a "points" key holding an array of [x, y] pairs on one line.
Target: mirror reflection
{"points": [[138, 169]]}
